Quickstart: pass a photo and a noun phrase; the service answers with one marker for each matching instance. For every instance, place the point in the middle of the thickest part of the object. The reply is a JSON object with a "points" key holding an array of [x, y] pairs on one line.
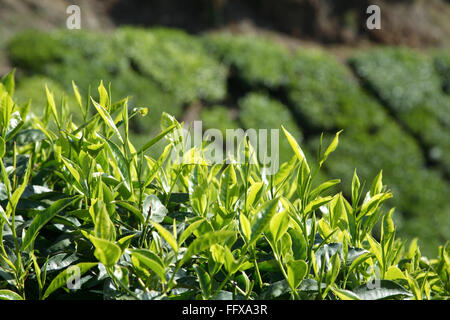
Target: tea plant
{"points": [[84, 214]]}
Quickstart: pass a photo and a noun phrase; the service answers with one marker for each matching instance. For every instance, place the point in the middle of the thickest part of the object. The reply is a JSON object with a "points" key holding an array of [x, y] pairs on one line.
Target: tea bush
{"points": [[326, 96], [218, 117], [323, 90], [161, 69], [177, 61], [256, 61], [442, 65], [390, 147], [80, 199], [413, 90]]}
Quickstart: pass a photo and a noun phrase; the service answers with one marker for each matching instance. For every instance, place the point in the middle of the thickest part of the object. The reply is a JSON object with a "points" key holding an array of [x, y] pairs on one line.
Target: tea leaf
{"points": [[206, 241], [146, 258], [43, 218], [62, 278], [9, 295]]}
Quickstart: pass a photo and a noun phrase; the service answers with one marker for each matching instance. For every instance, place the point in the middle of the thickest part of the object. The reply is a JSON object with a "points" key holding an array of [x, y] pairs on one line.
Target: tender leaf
{"points": [[107, 118], [296, 271], [148, 259], [122, 164], [43, 218], [331, 148], [297, 150], [206, 241], [166, 235], [263, 218], [62, 278], [279, 225], [106, 252], [9, 295], [386, 289], [345, 294], [8, 82]]}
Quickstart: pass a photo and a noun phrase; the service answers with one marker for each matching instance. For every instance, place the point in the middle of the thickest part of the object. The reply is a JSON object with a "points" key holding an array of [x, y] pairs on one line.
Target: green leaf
{"points": [[125, 241], [245, 226], [71, 167], [9, 295], [279, 225], [129, 206], [359, 260], [119, 159], [146, 258], [388, 223], [8, 82], [394, 273], [345, 294], [253, 194], [317, 203], [206, 241], [296, 271], [52, 105], [14, 126], [103, 94], [373, 204], [263, 218], [323, 187], [156, 139], [355, 187], [107, 119], [275, 290], [19, 191], [166, 235], [2, 147], [43, 218], [106, 252], [204, 281], [339, 216], [61, 279], [375, 248], [386, 289], [297, 150], [189, 230], [331, 148], [77, 96], [377, 184], [103, 226]]}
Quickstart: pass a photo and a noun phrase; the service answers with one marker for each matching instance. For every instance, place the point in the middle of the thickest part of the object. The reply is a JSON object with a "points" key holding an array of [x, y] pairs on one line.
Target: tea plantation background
{"points": [[393, 102]]}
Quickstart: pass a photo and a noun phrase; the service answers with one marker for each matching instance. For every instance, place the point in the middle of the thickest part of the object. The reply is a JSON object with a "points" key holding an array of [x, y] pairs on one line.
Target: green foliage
{"points": [[388, 148], [176, 61], [33, 87], [218, 117], [442, 65], [324, 92], [160, 69], [256, 60], [82, 203], [413, 90]]}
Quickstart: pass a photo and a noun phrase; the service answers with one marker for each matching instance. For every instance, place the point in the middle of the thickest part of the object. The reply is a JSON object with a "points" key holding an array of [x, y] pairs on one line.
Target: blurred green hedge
{"points": [[254, 60], [442, 65], [407, 82], [162, 69]]}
